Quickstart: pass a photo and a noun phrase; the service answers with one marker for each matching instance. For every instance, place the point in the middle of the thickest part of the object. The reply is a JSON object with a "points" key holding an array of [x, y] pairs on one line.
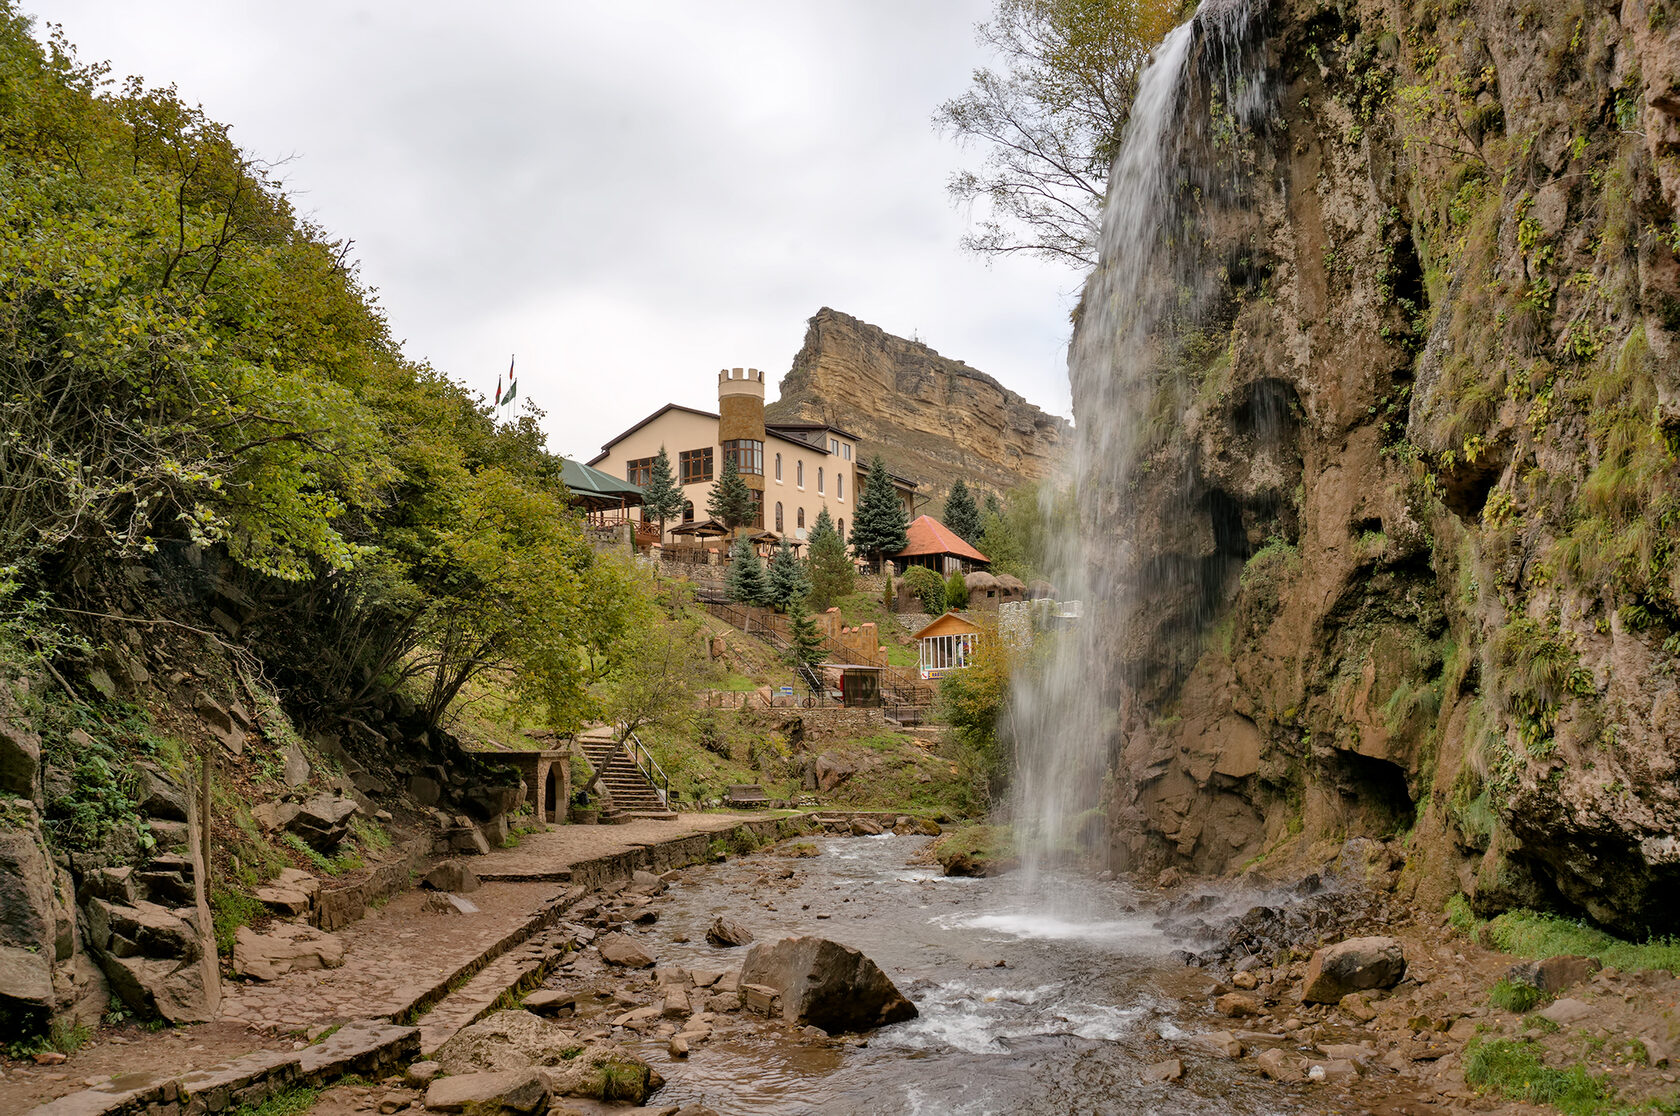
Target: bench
{"points": [[745, 794]]}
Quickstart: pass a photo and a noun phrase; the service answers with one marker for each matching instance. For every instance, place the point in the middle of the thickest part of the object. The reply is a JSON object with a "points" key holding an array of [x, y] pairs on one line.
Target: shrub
{"points": [[1520, 998], [1514, 1069], [928, 587]]}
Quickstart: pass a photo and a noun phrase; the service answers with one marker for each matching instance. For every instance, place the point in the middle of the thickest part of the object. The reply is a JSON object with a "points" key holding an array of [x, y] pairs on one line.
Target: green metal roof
{"points": [[585, 481]]}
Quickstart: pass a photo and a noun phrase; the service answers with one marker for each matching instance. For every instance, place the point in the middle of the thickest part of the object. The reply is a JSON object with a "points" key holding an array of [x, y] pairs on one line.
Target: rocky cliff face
{"points": [[1407, 544], [934, 419]]}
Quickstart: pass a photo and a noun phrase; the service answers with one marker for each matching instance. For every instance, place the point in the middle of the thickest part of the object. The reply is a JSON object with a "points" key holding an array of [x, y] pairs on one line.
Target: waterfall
{"points": [[1203, 86]]}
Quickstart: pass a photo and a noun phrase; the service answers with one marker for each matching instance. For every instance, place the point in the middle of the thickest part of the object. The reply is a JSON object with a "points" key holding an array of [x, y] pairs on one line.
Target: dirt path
{"points": [[394, 956]]}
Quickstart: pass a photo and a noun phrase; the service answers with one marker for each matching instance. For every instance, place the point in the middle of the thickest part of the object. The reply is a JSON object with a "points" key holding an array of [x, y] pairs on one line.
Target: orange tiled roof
{"points": [[929, 536]]}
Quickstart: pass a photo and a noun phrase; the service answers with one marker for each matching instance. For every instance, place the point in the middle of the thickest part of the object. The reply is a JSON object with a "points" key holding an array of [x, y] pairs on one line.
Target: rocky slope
{"points": [[1406, 533], [934, 419]]}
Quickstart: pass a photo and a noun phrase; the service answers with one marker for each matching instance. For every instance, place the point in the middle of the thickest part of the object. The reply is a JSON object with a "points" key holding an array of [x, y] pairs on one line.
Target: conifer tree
{"points": [[831, 572], [731, 501], [788, 583], [881, 520], [746, 581], [662, 499], [962, 515], [956, 590], [806, 649]]}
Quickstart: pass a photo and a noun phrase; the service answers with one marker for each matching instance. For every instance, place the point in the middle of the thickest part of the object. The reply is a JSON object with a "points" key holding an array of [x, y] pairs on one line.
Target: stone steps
{"points": [[518, 969]]}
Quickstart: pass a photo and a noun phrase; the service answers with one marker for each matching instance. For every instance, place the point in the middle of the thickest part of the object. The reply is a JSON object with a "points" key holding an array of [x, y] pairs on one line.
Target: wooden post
{"points": [[206, 763]]}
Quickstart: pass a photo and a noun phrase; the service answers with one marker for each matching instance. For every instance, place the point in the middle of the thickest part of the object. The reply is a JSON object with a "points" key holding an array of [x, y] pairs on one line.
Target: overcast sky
{"points": [[628, 196]]}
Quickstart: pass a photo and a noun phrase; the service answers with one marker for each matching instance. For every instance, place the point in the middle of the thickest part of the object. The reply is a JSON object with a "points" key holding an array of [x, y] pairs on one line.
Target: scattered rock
{"points": [[481, 1094], [826, 984], [289, 946], [1356, 1006], [451, 876], [1246, 981], [1554, 974], [864, 827], [296, 773], [1352, 966], [1567, 1011], [158, 795], [678, 1047], [1236, 1005], [646, 883], [1170, 1070], [547, 1001], [1223, 1043], [616, 949], [444, 902], [1278, 1065], [725, 931], [420, 1074], [1333, 1072], [323, 821]]}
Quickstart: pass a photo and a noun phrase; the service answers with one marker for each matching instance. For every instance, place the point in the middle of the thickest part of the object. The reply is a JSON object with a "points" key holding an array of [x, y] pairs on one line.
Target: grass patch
{"points": [[62, 1035], [229, 910], [1513, 1068], [1529, 934], [1512, 996], [288, 1102]]}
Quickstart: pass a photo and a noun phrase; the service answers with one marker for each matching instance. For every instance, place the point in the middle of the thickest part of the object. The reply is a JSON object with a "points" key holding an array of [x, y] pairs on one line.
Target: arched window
{"points": [[778, 466], [840, 529], [799, 473], [819, 478], [800, 519], [688, 511], [840, 485], [778, 517]]}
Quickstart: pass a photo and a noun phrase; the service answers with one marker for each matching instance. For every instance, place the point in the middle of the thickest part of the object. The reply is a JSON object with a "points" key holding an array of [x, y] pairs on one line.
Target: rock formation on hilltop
{"points": [[934, 419]]}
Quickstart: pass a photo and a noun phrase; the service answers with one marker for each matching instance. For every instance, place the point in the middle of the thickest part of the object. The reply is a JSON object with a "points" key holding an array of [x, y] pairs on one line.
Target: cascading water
{"points": [[1151, 286]]}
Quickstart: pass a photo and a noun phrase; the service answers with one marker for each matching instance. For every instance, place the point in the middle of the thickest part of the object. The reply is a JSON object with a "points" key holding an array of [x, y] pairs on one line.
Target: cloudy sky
{"points": [[628, 196]]}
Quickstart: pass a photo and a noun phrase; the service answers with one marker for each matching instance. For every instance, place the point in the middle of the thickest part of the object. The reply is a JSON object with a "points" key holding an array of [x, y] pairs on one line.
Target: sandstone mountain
{"points": [[934, 419]]}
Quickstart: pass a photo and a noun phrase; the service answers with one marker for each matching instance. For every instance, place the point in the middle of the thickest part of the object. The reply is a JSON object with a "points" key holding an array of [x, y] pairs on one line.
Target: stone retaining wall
{"points": [[678, 853]]}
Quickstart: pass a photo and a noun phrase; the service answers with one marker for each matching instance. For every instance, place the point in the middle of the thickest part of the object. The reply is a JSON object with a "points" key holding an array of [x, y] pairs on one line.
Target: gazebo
{"points": [[604, 498], [936, 546]]}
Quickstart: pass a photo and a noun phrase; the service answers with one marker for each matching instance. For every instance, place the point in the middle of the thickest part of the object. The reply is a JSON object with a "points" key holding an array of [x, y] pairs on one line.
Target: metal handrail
{"points": [[638, 752]]}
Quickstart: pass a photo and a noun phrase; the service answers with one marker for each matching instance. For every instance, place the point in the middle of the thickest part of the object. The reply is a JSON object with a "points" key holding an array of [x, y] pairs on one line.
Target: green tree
{"points": [[788, 582], [832, 575], [972, 702], [662, 498], [661, 664], [956, 591], [1050, 119], [806, 642], [746, 581], [730, 501], [962, 515], [881, 522]]}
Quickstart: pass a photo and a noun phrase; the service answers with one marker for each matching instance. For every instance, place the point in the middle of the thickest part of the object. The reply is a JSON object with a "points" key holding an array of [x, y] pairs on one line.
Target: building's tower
{"points": [[741, 422]]}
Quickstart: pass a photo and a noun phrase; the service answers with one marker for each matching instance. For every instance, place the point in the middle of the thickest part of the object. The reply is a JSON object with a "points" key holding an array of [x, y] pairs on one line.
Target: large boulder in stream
{"points": [[826, 984]]}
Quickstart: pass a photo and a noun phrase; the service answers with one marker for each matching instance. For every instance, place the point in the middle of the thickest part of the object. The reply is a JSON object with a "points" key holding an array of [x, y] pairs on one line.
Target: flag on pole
{"points": [[498, 391], [512, 388]]}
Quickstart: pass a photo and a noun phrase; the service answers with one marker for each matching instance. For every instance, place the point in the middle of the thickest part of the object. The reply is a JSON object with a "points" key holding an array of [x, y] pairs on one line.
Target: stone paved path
{"points": [[392, 956]]}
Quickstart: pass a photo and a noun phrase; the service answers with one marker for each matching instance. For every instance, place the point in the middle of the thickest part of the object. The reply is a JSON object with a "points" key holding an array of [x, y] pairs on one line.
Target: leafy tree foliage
{"points": [[662, 498], [973, 702], [1050, 119], [881, 522], [962, 515], [929, 588], [193, 377], [746, 581], [788, 582], [1017, 534], [663, 662], [730, 501], [831, 573], [956, 591]]}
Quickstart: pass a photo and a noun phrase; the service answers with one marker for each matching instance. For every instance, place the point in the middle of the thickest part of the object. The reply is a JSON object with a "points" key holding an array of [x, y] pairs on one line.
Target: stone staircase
{"points": [[622, 783]]}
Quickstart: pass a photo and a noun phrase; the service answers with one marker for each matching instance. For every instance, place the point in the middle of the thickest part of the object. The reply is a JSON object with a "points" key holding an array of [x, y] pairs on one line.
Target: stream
{"points": [[1079, 1006]]}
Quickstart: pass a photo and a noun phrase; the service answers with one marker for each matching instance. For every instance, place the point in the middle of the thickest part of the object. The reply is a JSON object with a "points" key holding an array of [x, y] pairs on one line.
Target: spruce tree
{"points": [[993, 507], [730, 502], [956, 590], [831, 572], [881, 520], [806, 649], [962, 515], [788, 583], [662, 498], [746, 581]]}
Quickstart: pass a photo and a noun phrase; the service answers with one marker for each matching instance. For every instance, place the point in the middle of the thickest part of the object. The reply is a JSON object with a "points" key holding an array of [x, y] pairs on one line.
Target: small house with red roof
{"points": [[940, 549]]}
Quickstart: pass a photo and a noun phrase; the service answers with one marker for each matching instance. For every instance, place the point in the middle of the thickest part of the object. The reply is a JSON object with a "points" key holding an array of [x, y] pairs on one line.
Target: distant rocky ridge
{"points": [[934, 419]]}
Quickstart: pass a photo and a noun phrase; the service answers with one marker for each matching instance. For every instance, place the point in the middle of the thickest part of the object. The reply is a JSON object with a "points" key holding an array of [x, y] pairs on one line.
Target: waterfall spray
{"points": [[1150, 286]]}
